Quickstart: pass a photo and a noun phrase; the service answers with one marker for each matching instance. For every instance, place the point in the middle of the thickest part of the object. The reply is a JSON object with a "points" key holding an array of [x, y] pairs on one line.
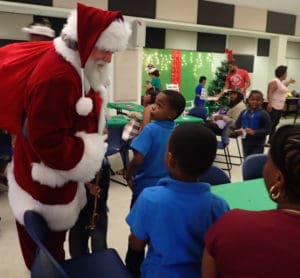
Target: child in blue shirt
{"points": [[198, 90], [253, 124], [147, 165], [173, 216]]}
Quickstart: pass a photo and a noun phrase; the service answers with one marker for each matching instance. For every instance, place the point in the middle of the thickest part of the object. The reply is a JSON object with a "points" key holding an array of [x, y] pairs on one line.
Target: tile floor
{"points": [[11, 262]]}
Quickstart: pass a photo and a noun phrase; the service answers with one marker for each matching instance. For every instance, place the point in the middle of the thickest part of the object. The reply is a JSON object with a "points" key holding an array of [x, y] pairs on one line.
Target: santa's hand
{"points": [[93, 189]]}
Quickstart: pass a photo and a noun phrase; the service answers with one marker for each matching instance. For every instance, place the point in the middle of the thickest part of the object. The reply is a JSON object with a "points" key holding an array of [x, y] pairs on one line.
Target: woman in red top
{"points": [[262, 243]]}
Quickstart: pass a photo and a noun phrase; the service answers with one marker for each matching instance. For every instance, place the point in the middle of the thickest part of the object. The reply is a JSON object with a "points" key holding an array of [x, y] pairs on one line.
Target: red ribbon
{"points": [[176, 67], [229, 54]]}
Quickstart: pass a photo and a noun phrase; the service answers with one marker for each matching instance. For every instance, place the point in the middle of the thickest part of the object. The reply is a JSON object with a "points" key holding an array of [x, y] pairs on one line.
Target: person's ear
{"points": [[170, 160], [279, 179], [172, 114]]}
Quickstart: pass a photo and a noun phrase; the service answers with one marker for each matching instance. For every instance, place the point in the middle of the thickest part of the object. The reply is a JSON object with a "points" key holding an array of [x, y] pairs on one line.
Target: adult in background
{"points": [[236, 79], [266, 243], [155, 81], [199, 90], [62, 144], [236, 106], [276, 96], [40, 30]]}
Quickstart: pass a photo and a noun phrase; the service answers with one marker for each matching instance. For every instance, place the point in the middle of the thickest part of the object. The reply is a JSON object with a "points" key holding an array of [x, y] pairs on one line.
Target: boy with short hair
{"points": [[173, 216], [198, 91], [147, 165], [253, 124]]}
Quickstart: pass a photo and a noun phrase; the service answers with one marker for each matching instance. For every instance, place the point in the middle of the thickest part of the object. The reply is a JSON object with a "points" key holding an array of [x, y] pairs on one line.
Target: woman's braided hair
{"points": [[285, 153]]}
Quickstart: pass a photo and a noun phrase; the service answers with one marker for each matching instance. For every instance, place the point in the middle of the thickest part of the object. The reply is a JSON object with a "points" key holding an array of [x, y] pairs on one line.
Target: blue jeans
{"points": [[79, 235]]}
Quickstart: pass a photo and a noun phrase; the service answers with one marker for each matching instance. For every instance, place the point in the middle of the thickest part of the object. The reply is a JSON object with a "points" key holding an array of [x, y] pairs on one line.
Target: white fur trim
{"points": [[47, 176], [39, 30], [70, 28], [94, 151], [58, 217], [84, 106], [72, 57], [115, 37]]}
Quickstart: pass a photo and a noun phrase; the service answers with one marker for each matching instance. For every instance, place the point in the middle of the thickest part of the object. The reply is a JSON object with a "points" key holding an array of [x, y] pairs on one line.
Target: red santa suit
{"points": [[60, 148]]}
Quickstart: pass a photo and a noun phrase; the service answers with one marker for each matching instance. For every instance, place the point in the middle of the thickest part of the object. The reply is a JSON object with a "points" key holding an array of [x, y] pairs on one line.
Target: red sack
{"points": [[17, 61]]}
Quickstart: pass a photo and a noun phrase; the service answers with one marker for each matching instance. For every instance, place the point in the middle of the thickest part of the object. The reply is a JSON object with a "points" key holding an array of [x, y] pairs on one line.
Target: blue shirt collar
{"points": [[166, 124], [184, 186]]}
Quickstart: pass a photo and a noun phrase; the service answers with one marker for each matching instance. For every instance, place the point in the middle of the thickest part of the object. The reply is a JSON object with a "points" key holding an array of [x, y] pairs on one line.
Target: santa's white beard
{"points": [[97, 73]]}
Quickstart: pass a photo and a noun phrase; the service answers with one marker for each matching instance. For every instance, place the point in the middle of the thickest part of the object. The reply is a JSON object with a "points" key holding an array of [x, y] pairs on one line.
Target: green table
{"points": [[117, 120], [121, 120], [249, 195], [188, 119], [127, 106]]}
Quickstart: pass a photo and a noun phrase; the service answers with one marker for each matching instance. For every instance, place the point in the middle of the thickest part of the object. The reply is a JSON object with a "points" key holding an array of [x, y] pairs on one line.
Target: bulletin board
{"points": [[193, 65]]}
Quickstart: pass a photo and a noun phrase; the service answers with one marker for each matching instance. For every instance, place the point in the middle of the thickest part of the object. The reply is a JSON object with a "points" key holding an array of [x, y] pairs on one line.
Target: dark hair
{"points": [[152, 92], [280, 71], [176, 101], [256, 92], [232, 62], [202, 78], [285, 153], [155, 73], [194, 147], [240, 97]]}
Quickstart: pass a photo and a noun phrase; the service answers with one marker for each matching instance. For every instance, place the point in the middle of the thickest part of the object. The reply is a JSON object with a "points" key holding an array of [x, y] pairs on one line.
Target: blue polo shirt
{"points": [[174, 216], [198, 91], [152, 144]]}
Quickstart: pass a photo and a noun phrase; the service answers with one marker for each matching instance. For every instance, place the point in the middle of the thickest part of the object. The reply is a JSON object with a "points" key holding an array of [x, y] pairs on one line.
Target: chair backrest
{"points": [[174, 87], [189, 104], [198, 111], [115, 142], [215, 176], [253, 166], [44, 262]]}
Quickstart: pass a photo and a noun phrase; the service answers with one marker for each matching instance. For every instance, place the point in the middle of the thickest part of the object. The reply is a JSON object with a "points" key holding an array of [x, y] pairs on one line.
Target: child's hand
{"points": [[133, 115], [218, 117], [239, 132], [249, 131], [147, 111], [93, 189]]}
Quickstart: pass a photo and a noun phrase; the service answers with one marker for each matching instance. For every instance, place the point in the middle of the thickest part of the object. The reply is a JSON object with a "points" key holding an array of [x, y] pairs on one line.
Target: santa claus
{"points": [[62, 146]]}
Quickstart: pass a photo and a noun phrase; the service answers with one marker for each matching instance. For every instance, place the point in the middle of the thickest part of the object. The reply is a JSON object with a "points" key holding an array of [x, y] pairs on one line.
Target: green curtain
{"points": [[193, 65]]}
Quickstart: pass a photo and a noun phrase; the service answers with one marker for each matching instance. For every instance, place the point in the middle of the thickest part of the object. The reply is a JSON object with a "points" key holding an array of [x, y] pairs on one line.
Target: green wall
{"points": [[193, 65]]}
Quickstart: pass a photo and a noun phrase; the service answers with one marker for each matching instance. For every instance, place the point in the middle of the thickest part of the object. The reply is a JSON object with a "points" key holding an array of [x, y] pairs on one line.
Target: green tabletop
{"points": [[249, 195], [128, 106], [188, 119], [117, 120]]}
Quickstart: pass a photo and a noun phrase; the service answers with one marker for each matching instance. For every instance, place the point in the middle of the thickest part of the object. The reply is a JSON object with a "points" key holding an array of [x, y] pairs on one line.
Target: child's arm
{"points": [[209, 268], [265, 126], [146, 115], [134, 164], [136, 244]]}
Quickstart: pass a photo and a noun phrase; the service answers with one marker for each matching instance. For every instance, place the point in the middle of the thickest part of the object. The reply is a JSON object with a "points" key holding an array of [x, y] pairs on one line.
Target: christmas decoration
{"points": [[217, 84]]}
